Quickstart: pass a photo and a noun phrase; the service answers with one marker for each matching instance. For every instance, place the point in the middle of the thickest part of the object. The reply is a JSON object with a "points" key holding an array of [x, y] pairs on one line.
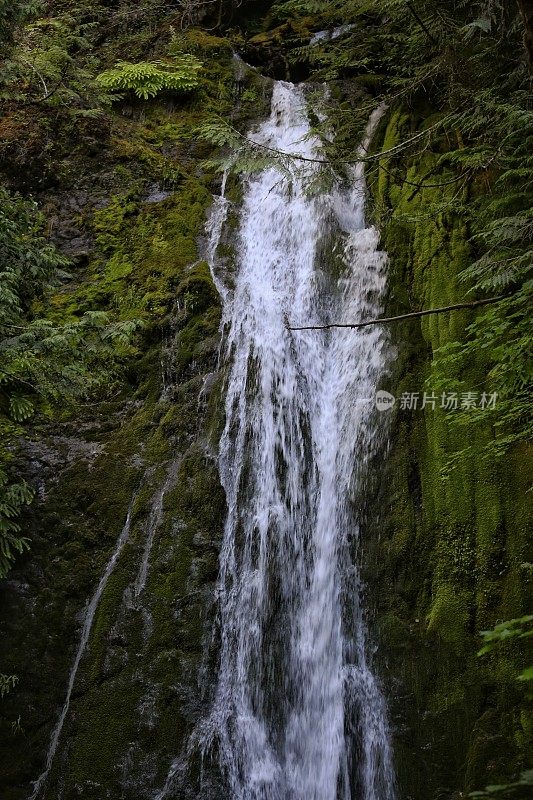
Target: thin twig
{"points": [[411, 315], [20, 380], [298, 157], [421, 23], [32, 67], [427, 185]]}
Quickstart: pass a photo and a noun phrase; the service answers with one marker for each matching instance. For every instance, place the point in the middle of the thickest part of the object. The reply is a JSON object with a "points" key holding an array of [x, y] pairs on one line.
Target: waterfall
{"points": [[298, 713]]}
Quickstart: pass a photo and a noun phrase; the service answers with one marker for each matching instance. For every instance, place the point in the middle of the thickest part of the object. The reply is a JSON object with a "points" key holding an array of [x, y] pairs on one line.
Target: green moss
{"points": [[197, 290], [134, 703], [447, 552], [144, 250], [449, 616], [200, 41]]}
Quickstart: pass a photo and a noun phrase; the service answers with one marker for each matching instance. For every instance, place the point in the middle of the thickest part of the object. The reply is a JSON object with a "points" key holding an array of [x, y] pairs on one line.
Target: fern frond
{"points": [[147, 78]]}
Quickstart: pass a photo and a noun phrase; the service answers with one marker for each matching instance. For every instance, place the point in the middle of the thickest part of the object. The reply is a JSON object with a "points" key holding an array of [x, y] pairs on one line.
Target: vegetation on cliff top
{"points": [[462, 73], [62, 339]]}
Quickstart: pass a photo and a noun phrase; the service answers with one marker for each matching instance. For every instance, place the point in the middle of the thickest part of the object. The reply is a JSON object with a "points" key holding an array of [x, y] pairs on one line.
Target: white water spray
{"points": [[298, 713]]}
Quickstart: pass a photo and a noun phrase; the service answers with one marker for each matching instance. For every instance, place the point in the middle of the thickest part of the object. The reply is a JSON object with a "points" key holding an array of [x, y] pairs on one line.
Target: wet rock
{"points": [[156, 194]]}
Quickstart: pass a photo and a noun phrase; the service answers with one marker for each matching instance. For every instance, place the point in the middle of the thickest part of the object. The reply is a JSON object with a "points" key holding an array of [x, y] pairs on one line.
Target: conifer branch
{"points": [[420, 185], [20, 380]]}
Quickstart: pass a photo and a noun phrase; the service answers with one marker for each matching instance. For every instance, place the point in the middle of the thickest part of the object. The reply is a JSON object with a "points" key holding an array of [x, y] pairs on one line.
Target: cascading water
{"points": [[298, 714]]}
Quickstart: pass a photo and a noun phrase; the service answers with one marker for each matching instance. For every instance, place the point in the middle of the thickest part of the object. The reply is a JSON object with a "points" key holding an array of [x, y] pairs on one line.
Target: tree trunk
{"points": [[526, 10]]}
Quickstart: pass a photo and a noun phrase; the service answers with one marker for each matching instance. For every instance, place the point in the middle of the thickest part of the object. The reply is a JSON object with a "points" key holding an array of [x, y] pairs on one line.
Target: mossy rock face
{"points": [[443, 549], [149, 447], [204, 43], [270, 50], [135, 695], [447, 526], [153, 451]]}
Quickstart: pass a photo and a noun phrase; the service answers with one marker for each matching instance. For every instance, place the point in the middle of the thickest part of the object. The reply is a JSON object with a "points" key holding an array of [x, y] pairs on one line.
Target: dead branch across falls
{"points": [[411, 315]]}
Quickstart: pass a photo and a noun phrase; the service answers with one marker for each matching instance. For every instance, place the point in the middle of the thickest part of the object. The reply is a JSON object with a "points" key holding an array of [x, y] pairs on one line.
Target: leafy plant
{"points": [[13, 496], [519, 628], [12, 15], [517, 789], [467, 62], [42, 364], [52, 63], [147, 78], [7, 682], [515, 630]]}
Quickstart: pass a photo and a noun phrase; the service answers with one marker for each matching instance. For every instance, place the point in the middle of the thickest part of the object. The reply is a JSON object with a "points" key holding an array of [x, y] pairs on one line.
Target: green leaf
{"points": [[21, 408], [526, 675]]}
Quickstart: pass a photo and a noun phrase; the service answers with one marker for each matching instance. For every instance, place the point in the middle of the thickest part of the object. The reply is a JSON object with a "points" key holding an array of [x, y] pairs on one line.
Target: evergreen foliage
{"points": [[7, 682], [517, 790], [514, 630], [12, 15], [42, 364], [51, 64], [147, 79]]}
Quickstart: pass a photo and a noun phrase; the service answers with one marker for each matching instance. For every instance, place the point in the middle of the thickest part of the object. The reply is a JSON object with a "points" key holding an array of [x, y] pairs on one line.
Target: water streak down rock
{"points": [[88, 619]]}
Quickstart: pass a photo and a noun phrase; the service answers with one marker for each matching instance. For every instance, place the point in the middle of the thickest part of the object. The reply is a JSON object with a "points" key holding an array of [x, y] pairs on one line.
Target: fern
{"points": [[20, 408], [42, 364], [53, 63], [147, 78], [7, 683], [13, 496]]}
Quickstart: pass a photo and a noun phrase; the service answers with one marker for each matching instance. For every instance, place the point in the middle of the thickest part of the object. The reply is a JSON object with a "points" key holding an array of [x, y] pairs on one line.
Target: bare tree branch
{"points": [[421, 23], [20, 380], [32, 67], [411, 315], [298, 157]]}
